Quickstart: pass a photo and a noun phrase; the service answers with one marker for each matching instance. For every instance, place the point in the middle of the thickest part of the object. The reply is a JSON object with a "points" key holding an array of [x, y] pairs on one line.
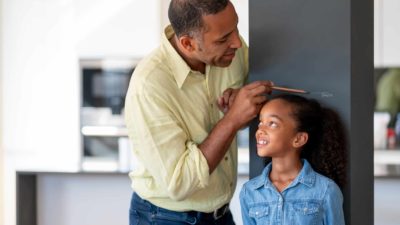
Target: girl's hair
{"points": [[326, 147]]}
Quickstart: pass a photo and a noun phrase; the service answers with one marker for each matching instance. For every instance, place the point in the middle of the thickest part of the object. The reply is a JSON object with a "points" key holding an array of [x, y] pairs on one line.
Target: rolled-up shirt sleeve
{"points": [[164, 148]]}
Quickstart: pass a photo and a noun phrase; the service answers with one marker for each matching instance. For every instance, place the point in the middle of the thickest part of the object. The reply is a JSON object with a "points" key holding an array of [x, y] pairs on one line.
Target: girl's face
{"points": [[277, 134]]}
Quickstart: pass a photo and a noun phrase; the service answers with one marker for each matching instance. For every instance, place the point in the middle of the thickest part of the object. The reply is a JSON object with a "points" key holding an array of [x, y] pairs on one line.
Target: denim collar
{"points": [[306, 177]]}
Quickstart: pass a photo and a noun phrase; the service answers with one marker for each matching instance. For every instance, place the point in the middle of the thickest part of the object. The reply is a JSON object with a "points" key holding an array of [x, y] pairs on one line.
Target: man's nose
{"points": [[236, 42]]}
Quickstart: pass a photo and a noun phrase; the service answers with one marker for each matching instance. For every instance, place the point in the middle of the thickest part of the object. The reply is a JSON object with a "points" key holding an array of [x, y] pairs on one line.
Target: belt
{"points": [[216, 214]]}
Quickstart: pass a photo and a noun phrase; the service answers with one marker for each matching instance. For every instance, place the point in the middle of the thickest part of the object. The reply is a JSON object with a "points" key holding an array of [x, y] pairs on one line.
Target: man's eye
{"points": [[222, 41]]}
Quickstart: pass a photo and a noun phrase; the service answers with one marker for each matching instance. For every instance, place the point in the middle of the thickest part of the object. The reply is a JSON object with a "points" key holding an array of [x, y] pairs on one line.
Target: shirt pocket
{"points": [[260, 214], [306, 212]]}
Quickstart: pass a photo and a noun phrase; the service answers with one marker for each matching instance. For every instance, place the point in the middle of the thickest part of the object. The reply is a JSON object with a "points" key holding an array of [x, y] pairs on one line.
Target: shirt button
{"points": [[226, 158], [231, 184]]}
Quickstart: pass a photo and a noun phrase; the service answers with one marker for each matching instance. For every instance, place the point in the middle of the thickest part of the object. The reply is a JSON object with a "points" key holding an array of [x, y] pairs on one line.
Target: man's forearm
{"points": [[218, 141]]}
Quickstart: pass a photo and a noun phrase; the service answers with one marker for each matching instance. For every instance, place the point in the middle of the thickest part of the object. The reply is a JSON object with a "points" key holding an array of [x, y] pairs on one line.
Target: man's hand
{"points": [[246, 103], [227, 98], [242, 106]]}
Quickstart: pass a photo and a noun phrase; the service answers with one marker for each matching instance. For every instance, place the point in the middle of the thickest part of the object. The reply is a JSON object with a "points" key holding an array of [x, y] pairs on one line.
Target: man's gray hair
{"points": [[185, 16]]}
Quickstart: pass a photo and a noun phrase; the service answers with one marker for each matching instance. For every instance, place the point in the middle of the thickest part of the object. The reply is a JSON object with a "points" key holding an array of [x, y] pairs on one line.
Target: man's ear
{"points": [[187, 43], [300, 139]]}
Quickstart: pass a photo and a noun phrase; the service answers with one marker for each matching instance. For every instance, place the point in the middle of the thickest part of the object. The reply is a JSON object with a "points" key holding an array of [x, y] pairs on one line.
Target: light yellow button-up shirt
{"points": [[169, 110]]}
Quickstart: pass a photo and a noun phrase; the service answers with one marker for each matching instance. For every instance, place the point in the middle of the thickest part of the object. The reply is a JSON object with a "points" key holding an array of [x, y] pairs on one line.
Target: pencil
{"points": [[292, 90]]}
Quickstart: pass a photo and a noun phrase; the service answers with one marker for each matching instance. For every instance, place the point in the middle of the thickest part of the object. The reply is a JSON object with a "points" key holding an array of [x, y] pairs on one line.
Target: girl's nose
{"points": [[260, 132]]}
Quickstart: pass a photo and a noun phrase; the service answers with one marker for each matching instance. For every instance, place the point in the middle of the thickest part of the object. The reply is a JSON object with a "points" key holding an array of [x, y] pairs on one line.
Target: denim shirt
{"points": [[311, 199]]}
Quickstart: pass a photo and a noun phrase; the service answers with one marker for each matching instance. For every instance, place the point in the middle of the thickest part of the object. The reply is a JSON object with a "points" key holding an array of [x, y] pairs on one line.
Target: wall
{"points": [[387, 31], [1, 117], [43, 42]]}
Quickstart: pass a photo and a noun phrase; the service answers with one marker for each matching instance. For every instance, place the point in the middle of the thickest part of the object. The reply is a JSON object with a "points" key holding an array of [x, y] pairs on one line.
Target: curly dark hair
{"points": [[185, 16], [326, 147]]}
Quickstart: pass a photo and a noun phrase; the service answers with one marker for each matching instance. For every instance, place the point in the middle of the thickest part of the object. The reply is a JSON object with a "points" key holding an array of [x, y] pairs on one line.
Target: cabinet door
{"points": [[40, 85], [387, 33], [123, 28]]}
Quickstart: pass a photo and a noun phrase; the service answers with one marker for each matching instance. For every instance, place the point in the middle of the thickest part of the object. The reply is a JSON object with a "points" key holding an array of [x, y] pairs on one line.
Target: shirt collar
{"points": [[306, 177], [179, 68]]}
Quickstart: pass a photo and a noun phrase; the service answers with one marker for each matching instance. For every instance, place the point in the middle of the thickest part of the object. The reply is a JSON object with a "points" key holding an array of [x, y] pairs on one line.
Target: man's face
{"points": [[219, 39]]}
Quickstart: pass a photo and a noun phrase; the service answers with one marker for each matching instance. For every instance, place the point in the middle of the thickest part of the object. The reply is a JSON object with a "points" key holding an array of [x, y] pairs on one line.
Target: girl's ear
{"points": [[300, 139]]}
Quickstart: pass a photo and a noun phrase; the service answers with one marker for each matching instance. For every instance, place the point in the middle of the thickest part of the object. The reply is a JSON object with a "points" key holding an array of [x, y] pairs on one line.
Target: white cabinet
{"points": [[123, 28], [387, 33], [40, 85]]}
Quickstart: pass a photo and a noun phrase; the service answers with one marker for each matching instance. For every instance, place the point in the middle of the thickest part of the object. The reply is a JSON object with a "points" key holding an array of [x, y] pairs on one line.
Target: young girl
{"points": [[307, 145]]}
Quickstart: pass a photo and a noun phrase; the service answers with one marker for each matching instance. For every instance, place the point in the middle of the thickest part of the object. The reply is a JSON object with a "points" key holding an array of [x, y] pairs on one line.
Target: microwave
{"points": [[104, 83]]}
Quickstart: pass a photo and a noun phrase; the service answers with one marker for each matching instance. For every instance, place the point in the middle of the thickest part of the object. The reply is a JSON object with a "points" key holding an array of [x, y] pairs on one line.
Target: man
{"points": [[186, 146]]}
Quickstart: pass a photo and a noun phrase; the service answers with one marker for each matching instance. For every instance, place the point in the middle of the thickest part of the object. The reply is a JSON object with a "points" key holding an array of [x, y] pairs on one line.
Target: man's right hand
{"points": [[248, 102]]}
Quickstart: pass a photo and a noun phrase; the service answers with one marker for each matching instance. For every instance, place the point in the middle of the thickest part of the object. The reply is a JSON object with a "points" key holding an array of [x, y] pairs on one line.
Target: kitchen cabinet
{"points": [[386, 162], [384, 157], [124, 28], [386, 33], [49, 198]]}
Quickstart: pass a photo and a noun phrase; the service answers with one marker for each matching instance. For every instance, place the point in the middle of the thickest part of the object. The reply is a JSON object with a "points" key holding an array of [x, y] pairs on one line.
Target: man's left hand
{"points": [[226, 100]]}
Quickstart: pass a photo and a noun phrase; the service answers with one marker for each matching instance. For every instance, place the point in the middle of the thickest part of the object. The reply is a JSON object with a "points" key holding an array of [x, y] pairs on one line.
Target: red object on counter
{"points": [[391, 138]]}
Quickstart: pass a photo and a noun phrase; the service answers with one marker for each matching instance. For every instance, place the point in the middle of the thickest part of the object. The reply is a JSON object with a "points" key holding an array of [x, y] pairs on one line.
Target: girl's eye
{"points": [[272, 124]]}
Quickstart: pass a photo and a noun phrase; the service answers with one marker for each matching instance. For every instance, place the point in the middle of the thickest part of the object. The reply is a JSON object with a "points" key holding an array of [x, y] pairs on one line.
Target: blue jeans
{"points": [[145, 213]]}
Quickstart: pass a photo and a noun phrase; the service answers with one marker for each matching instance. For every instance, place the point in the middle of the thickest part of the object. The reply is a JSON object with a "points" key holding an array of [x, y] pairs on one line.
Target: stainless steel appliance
{"points": [[104, 83]]}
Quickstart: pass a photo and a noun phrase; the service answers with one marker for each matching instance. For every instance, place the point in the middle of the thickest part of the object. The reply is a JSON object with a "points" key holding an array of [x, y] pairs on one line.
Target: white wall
{"points": [[123, 28], [43, 41], [41, 86], [1, 120], [386, 33]]}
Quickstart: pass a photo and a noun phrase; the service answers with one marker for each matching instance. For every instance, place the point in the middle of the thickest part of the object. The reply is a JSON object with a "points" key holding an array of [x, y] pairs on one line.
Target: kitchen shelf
{"points": [[98, 164], [384, 157], [108, 131]]}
